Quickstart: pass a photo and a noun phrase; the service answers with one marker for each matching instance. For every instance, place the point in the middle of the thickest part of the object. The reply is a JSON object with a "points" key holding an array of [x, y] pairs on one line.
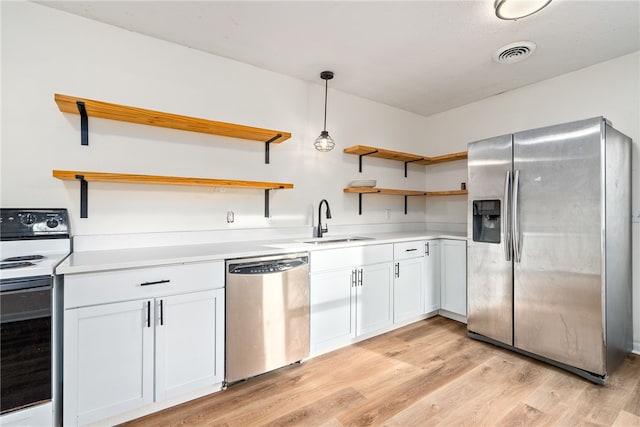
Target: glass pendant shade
{"points": [[324, 142], [516, 9]]}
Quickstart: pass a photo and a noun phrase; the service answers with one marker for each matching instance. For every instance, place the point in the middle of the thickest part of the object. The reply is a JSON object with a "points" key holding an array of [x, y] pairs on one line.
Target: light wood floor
{"points": [[426, 374]]}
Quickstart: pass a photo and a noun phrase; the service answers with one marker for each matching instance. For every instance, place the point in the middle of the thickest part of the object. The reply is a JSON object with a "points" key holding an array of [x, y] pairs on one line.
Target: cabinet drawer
{"points": [[136, 283], [332, 259], [406, 250]]}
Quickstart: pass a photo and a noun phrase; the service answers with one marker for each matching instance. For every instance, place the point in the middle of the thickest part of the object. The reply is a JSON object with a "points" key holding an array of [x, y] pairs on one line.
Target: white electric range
{"points": [[32, 243]]}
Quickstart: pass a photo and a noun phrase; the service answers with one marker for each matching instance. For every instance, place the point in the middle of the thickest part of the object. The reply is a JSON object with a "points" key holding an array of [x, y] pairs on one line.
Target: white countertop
{"points": [[114, 259]]}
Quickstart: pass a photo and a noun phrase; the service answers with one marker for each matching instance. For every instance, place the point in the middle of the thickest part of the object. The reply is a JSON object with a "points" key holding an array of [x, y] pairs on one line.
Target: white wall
{"points": [[610, 89], [45, 51]]}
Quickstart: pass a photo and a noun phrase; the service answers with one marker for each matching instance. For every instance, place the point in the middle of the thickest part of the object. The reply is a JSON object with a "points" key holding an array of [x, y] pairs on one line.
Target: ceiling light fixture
{"points": [[516, 9], [324, 142]]}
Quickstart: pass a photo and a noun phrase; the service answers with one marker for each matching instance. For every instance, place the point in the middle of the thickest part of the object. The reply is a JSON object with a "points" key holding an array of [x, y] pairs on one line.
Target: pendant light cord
{"points": [[326, 87]]}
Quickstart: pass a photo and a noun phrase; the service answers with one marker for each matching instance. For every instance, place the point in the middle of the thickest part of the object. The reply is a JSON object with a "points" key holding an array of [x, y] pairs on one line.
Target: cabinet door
{"points": [[189, 340], [331, 314], [374, 307], [407, 289], [431, 276], [108, 360], [453, 270]]}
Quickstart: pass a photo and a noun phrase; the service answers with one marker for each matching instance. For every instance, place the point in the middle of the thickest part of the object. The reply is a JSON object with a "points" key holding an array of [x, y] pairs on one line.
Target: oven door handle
{"points": [[36, 283]]}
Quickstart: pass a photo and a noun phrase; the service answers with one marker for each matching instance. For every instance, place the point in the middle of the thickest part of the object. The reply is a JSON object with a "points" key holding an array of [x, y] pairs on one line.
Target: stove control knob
{"points": [[52, 223], [28, 219]]}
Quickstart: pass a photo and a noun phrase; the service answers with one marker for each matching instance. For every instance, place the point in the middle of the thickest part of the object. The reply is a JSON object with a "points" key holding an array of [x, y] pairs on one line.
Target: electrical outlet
{"points": [[230, 217], [635, 216]]}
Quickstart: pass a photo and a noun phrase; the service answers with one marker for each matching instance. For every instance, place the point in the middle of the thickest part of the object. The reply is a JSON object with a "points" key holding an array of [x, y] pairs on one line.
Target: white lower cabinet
{"points": [[108, 361], [408, 281], [360, 290], [331, 320], [374, 296], [186, 342], [431, 276], [453, 277], [351, 294], [123, 355]]}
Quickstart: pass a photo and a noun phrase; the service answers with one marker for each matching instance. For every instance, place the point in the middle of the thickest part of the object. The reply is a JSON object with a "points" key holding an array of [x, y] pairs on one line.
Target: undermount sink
{"points": [[323, 240]]}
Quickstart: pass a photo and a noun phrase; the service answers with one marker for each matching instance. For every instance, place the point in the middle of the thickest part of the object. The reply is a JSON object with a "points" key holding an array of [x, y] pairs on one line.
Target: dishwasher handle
{"points": [[268, 267]]}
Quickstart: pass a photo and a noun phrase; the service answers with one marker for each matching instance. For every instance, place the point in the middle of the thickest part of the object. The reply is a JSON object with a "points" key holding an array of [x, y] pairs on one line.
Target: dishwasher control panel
{"points": [[266, 267]]}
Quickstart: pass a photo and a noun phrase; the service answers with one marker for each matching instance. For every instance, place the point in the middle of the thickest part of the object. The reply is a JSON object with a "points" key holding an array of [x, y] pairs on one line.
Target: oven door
{"points": [[25, 347]]}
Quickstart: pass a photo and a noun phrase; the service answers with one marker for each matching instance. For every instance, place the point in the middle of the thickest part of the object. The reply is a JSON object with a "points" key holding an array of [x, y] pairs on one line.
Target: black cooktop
{"points": [[28, 224]]}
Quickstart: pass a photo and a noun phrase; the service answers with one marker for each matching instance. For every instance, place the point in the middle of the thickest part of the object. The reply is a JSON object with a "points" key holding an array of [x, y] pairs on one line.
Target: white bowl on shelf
{"points": [[363, 183]]}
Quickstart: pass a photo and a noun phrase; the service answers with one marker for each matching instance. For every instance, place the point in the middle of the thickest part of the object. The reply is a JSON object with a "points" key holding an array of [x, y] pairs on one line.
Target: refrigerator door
{"points": [[558, 229], [489, 267]]}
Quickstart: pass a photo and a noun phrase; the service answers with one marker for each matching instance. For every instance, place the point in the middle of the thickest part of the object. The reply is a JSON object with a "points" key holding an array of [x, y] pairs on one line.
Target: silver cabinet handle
{"points": [[354, 275], [411, 250], [360, 278], [506, 214], [161, 313], [397, 269], [427, 248], [515, 215]]}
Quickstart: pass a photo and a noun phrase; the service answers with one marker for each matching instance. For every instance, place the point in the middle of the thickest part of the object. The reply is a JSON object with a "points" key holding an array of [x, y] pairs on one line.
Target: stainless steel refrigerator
{"points": [[549, 252]]}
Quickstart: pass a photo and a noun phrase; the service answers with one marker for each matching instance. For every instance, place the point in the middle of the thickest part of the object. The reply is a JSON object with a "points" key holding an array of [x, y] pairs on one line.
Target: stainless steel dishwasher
{"points": [[267, 314]]}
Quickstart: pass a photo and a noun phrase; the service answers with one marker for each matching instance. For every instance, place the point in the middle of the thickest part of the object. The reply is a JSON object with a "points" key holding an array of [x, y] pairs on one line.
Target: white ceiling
{"points": [[420, 56]]}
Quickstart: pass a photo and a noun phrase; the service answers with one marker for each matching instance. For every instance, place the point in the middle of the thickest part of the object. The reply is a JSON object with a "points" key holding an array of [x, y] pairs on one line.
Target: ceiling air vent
{"points": [[514, 52]]}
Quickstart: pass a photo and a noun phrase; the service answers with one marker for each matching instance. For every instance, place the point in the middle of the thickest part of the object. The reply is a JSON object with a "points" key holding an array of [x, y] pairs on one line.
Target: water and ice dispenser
{"points": [[486, 221]]}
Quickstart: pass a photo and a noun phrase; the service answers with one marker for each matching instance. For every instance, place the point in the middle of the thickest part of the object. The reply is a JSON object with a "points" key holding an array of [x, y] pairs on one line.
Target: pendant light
{"points": [[516, 9], [324, 142]]}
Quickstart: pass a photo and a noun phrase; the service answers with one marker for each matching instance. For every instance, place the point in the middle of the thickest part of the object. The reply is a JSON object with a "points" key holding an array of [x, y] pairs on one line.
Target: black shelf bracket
{"points": [[360, 201], [266, 147], [266, 201], [407, 162], [360, 159], [84, 123], [84, 190]]}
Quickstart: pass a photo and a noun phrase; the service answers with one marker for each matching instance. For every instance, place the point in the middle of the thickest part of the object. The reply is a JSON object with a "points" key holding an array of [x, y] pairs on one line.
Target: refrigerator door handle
{"points": [[506, 216], [515, 217]]}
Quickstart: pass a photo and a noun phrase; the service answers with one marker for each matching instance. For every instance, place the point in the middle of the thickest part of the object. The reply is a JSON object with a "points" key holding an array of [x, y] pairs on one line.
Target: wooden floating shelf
{"points": [[406, 193], [367, 151], [462, 155], [363, 150], [169, 180], [85, 177], [447, 193], [368, 190], [123, 113], [89, 107]]}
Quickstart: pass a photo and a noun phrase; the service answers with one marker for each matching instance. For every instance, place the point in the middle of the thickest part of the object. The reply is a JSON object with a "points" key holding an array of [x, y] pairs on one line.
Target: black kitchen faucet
{"points": [[320, 229]]}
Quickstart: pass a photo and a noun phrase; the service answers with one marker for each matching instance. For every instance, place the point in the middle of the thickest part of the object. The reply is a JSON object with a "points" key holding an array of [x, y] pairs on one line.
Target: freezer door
{"points": [[558, 228], [489, 268]]}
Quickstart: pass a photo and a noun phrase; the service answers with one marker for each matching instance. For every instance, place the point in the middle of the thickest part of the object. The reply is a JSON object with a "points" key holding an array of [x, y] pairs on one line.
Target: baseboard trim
{"points": [[636, 347], [453, 316]]}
